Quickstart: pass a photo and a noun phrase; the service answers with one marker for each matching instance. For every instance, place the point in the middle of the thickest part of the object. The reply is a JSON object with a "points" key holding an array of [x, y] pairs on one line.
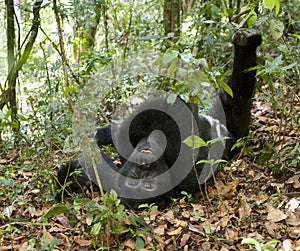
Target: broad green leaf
{"points": [[272, 242], [195, 141], [171, 99], [169, 56], [269, 4], [297, 35], [226, 87], [186, 56], [276, 28], [193, 99], [274, 64], [139, 243], [70, 89], [96, 228], [199, 77], [171, 70], [252, 18], [171, 34], [56, 210]]}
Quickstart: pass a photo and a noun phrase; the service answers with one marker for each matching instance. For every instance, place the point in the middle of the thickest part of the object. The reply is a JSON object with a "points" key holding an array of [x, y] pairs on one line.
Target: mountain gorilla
{"points": [[156, 164]]}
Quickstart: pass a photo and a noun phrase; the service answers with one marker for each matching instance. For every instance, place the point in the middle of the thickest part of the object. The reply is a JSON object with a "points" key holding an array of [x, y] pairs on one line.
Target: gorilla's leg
{"points": [[75, 176], [242, 82], [72, 178]]}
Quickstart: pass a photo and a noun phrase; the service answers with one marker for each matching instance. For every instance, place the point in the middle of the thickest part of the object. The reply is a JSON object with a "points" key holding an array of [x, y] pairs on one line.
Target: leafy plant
{"points": [[260, 246]]}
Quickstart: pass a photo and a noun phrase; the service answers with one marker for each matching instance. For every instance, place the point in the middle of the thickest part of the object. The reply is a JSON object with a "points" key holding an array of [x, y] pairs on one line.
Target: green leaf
{"points": [[171, 70], [70, 89], [139, 243], [290, 66], [213, 141], [56, 210], [195, 141], [276, 28], [171, 99], [272, 242], [96, 228], [169, 56], [250, 241], [226, 87], [274, 64], [199, 77], [277, 7], [186, 56], [252, 18], [269, 4], [149, 37]]}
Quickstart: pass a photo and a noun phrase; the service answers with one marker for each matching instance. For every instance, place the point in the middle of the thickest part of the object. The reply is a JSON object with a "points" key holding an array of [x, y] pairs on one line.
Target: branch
{"points": [[32, 36]]}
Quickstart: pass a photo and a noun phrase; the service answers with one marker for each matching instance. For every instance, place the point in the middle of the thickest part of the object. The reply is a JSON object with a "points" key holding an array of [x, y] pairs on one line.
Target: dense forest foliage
{"points": [[68, 65]]}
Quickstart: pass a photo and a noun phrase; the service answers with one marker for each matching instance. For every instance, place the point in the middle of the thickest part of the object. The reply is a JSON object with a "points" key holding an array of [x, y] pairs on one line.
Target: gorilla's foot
{"points": [[246, 38]]}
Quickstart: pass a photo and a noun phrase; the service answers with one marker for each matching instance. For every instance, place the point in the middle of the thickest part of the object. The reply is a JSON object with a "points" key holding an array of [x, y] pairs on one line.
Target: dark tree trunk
{"points": [[172, 17], [11, 41]]}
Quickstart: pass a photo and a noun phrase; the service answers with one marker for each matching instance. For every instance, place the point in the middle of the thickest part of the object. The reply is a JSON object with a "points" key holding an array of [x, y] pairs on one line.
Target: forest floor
{"points": [[257, 195]]}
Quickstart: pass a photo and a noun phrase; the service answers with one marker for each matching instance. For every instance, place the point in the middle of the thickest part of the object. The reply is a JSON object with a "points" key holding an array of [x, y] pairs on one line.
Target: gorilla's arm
{"points": [[104, 135]]}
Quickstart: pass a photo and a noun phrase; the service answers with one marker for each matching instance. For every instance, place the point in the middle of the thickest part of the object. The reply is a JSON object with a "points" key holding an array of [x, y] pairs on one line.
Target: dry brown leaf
{"points": [[181, 223], [231, 234], [228, 188], [159, 230], [199, 209], [295, 180], [224, 249], [186, 214], [261, 198], [293, 218], [194, 229], [294, 232], [223, 222], [288, 245], [244, 209], [271, 228], [275, 215], [182, 202], [169, 216], [81, 242], [185, 238], [205, 246], [130, 243], [63, 220], [175, 232]]}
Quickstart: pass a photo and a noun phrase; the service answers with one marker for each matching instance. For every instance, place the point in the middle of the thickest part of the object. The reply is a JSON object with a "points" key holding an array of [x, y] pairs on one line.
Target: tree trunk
{"points": [[86, 26], [8, 97], [172, 17], [11, 40]]}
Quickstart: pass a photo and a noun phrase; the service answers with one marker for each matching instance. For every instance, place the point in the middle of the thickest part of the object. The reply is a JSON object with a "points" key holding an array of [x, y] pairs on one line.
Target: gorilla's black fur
{"points": [[155, 132]]}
